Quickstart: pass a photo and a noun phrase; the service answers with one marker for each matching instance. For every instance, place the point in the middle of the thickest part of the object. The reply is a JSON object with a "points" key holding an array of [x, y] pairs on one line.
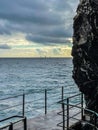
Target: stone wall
{"points": [[85, 51]]}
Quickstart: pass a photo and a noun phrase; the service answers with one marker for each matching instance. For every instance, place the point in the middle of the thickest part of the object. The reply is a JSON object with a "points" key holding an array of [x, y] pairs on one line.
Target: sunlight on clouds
{"points": [[18, 46], [38, 52], [18, 53]]}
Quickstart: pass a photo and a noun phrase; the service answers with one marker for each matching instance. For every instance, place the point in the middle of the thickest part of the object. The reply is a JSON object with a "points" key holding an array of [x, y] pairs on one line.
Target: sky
{"points": [[36, 28]]}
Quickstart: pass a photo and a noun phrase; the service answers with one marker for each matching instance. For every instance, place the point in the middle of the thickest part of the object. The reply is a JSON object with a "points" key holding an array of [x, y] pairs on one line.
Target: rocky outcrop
{"points": [[85, 51]]}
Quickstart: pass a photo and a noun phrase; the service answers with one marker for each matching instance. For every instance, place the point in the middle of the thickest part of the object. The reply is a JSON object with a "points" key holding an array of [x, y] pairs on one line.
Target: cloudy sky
{"points": [[36, 28]]}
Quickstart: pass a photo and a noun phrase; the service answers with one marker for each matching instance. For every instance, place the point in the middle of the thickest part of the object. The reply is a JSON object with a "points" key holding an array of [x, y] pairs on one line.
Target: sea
{"points": [[32, 76]]}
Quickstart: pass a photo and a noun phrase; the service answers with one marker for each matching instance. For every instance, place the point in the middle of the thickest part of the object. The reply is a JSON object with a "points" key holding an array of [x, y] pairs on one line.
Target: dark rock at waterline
{"points": [[85, 51], [82, 126]]}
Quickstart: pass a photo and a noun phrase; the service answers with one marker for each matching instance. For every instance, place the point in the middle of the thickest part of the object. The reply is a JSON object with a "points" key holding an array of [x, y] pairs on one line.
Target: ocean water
{"points": [[33, 76]]}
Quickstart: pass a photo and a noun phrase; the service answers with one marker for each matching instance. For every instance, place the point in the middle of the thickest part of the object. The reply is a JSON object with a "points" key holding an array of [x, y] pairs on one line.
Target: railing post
{"points": [[62, 96], [25, 123], [62, 93], [11, 126], [81, 105], [67, 113], [63, 107], [23, 107], [45, 101]]}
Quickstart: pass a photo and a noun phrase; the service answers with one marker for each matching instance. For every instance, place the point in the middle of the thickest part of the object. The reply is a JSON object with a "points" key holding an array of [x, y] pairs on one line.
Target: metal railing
{"points": [[9, 121], [10, 125], [23, 101], [74, 112]]}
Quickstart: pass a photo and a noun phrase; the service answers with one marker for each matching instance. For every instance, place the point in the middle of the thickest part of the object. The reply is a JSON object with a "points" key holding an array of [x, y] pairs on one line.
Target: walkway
{"points": [[44, 122]]}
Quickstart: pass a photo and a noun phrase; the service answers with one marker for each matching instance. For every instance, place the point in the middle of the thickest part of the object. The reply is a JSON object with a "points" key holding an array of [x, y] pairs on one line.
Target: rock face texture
{"points": [[85, 51]]}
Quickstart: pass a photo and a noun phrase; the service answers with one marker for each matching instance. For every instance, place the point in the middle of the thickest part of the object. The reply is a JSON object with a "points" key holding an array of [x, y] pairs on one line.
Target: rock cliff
{"points": [[85, 51]]}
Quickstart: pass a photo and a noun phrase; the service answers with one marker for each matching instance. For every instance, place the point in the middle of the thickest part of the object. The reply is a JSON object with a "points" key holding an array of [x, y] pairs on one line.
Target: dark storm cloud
{"points": [[46, 21], [45, 40], [4, 46], [28, 11], [4, 29]]}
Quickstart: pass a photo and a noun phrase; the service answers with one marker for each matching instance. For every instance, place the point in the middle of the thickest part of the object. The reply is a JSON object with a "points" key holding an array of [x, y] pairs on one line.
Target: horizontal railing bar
{"points": [[11, 107], [83, 109], [21, 104], [11, 97], [76, 119], [74, 115], [62, 101], [74, 95], [2, 127], [66, 109], [29, 93], [59, 124], [9, 118], [36, 91], [5, 126], [75, 104], [18, 116], [66, 120], [59, 113], [18, 121]]}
